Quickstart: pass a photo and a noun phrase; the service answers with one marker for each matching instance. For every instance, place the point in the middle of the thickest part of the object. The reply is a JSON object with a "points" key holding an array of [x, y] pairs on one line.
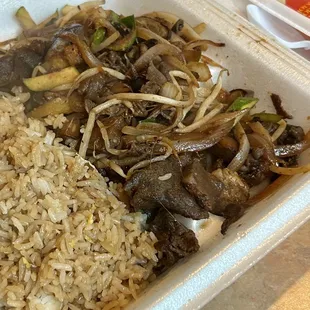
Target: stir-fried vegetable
{"points": [[24, 18], [59, 105], [107, 42], [128, 40], [290, 171], [98, 37], [187, 31], [138, 92], [192, 55], [243, 103], [200, 28], [244, 149], [147, 34], [178, 26], [182, 67], [201, 69], [157, 50], [282, 125], [90, 59], [52, 80], [154, 26], [267, 117]]}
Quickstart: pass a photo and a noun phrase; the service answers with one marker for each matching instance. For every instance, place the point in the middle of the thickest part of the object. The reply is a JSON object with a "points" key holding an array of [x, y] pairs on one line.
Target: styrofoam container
{"points": [[288, 15], [255, 62]]}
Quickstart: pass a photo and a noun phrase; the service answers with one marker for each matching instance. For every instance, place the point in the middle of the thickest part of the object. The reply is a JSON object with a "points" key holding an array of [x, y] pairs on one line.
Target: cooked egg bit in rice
{"points": [[131, 97]]}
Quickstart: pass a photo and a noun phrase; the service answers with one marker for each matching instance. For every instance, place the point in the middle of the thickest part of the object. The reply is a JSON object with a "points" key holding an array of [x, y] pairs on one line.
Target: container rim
{"points": [[200, 285]]}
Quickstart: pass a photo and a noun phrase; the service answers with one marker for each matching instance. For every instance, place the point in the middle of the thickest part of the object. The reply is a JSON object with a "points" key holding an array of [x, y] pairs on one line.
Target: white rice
{"points": [[66, 242]]}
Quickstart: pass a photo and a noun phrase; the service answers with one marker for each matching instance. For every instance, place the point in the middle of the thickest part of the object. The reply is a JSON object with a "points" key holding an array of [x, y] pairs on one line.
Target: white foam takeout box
{"points": [[255, 62], [286, 14]]}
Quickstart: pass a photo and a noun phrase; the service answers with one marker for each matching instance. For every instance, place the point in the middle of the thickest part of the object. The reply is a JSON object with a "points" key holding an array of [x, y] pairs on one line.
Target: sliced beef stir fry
{"points": [[114, 60], [255, 170], [188, 189], [292, 135], [160, 186], [175, 241], [205, 187], [140, 104], [20, 63], [98, 87]]}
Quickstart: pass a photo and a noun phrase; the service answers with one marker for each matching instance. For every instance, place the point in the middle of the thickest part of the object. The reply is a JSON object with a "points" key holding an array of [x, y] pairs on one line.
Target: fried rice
{"points": [[66, 241]]}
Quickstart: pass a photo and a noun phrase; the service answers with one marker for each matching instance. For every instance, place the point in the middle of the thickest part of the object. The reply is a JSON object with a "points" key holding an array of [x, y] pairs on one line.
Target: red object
{"points": [[301, 6]]}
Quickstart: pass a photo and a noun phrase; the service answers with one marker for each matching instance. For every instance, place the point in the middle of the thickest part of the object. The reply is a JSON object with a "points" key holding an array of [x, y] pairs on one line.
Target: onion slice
{"points": [[258, 128], [244, 149], [147, 34], [107, 42], [282, 126], [290, 171], [224, 118], [201, 69], [180, 66], [257, 140], [199, 141], [200, 28], [269, 190], [196, 125], [209, 100], [169, 90], [192, 55], [74, 10], [157, 50]]}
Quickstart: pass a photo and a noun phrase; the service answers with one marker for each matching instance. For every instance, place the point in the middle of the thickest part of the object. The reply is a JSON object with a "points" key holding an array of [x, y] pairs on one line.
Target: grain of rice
{"points": [[65, 238]]}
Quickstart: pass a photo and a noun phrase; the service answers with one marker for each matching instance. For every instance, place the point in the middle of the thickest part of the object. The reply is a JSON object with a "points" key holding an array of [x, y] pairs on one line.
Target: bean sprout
{"points": [[151, 97], [93, 71], [147, 162], [91, 123], [38, 69], [196, 125], [106, 140]]}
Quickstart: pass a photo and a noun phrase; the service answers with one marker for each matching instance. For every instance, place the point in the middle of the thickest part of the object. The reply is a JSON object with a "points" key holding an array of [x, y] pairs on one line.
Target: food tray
{"points": [[288, 15], [255, 62]]}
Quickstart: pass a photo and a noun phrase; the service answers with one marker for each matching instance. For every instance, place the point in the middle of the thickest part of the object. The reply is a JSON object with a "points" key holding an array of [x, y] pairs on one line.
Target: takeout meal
{"points": [[112, 130]]}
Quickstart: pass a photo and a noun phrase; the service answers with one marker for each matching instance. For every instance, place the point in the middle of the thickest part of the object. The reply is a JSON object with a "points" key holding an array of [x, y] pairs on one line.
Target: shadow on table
{"points": [[271, 281]]}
